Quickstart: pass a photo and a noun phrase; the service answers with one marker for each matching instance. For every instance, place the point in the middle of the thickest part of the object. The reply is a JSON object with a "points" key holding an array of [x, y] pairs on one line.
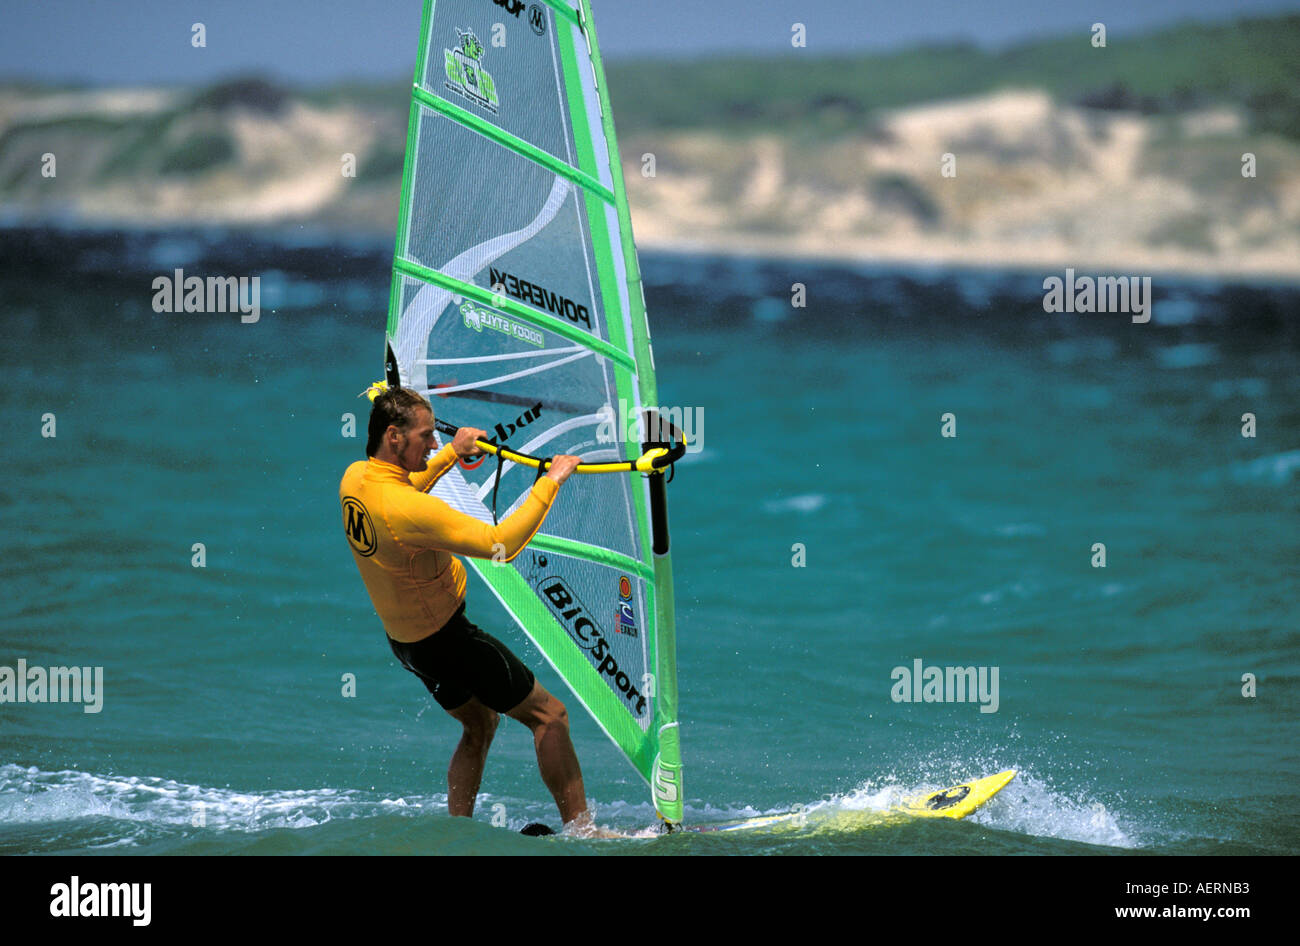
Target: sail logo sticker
{"points": [[479, 319], [589, 637], [536, 15], [624, 618], [466, 75], [539, 296], [360, 530], [537, 19], [502, 433], [565, 603], [520, 422], [667, 781]]}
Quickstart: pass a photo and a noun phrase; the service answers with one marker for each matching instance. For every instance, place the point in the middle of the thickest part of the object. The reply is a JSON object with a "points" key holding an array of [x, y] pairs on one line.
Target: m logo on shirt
{"points": [[360, 530]]}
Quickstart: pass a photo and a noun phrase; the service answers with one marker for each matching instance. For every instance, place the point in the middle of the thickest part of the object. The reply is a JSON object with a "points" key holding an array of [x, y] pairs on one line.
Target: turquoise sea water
{"points": [[224, 728]]}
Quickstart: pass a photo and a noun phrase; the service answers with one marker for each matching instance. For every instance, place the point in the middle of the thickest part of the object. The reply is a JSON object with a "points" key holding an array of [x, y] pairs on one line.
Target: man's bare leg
{"points": [[466, 770], [556, 760]]}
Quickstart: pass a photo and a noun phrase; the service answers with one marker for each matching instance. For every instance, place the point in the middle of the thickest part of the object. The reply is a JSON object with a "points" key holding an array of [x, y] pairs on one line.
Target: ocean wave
{"points": [[807, 502], [1189, 355], [1274, 470], [30, 795]]}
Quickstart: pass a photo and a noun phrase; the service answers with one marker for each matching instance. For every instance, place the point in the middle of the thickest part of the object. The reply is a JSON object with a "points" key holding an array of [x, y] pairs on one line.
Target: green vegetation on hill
{"points": [[1251, 63], [251, 92], [753, 149]]}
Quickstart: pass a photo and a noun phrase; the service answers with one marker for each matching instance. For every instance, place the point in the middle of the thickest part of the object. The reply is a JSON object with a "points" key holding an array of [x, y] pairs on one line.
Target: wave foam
{"points": [[29, 795]]}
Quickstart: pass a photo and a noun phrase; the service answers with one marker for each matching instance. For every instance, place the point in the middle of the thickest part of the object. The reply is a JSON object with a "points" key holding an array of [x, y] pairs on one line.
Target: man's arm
{"points": [[461, 447], [439, 464], [427, 522]]}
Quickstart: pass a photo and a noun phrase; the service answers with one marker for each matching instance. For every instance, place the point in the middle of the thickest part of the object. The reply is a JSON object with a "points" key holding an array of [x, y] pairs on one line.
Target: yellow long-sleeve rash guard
{"points": [[405, 541]]}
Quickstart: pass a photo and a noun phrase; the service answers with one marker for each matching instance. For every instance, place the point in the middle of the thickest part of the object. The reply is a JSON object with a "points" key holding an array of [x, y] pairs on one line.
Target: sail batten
{"points": [[488, 297], [516, 306], [518, 145]]}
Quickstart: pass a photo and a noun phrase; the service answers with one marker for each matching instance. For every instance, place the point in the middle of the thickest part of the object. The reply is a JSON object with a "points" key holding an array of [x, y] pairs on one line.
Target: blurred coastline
{"points": [[1062, 154]]}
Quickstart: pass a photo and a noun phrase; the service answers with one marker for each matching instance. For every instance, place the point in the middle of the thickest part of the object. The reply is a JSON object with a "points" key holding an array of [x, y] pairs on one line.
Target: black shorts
{"points": [[461, 661]]}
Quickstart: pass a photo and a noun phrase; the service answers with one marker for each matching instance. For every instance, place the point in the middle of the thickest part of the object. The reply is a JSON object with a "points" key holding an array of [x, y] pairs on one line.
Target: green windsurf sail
{"points": [[516, 307]]}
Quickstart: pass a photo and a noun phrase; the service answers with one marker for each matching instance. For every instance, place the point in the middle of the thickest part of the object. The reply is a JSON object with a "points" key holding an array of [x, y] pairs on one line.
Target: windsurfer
{"points": [[403, 542]]}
